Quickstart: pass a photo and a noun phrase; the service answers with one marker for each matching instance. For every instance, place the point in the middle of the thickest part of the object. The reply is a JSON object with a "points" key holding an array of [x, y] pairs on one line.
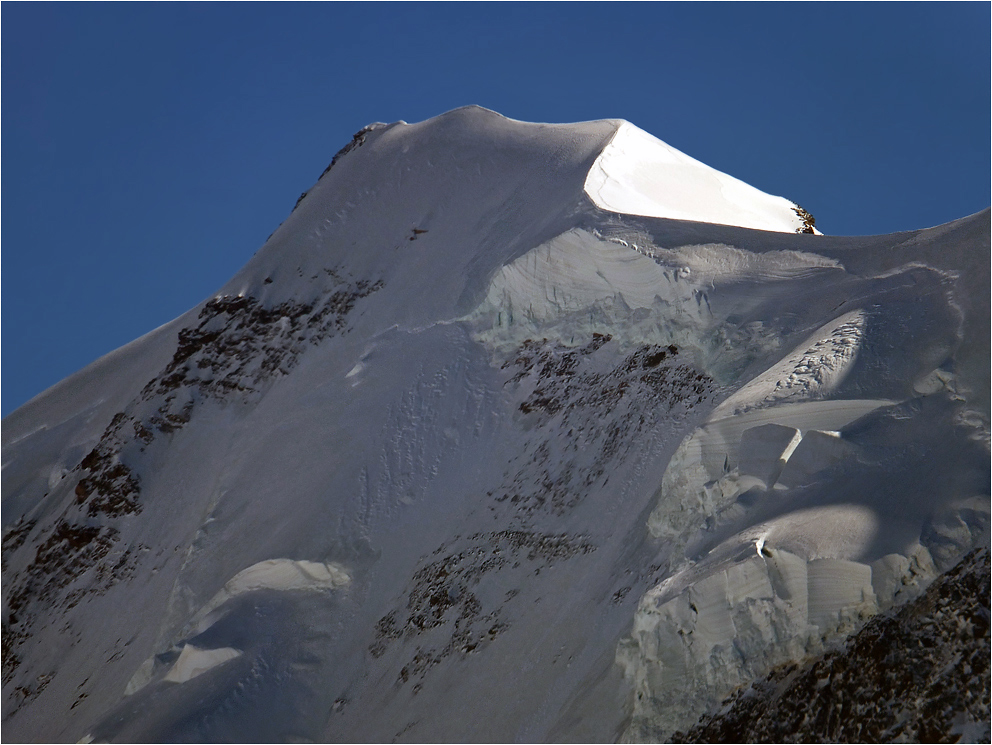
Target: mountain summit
{"points": [[510, 432]]}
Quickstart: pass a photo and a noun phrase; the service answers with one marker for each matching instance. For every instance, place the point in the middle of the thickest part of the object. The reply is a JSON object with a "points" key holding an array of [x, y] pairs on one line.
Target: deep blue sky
{"points": [[148, 150]]}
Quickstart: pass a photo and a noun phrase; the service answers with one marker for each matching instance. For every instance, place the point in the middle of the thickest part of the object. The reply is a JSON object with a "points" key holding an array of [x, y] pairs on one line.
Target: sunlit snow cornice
{"points": [[638, 174]]}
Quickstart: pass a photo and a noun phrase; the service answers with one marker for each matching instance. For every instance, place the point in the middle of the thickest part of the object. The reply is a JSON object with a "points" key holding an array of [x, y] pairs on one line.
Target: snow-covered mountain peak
{"points": [[475, 425], [470, 191]]}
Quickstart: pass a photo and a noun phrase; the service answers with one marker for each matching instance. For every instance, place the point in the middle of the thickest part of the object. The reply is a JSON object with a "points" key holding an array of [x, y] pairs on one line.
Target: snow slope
{"points": [[466, 453]]}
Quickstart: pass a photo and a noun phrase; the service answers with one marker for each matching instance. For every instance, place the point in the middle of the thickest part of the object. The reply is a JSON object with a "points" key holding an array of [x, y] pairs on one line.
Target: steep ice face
{"points": [[733, 624], [937, 656], [456, 434], [638, 174]]}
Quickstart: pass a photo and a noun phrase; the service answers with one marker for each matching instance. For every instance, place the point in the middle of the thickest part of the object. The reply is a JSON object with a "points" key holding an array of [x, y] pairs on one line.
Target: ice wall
{"points": [[786, 521], [689, 650]]}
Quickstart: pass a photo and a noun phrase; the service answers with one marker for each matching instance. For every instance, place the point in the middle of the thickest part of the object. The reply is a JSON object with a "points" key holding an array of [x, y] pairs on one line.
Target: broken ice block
{"points": [[816, 452], [765, 450]]}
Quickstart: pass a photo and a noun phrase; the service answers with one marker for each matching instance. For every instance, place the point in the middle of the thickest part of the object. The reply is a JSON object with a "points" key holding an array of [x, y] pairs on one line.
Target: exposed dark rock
{"points": [[442, 594], [357, 140], [809, 222], [568, 394], [69, 551], [238, 346], [14, 538]]}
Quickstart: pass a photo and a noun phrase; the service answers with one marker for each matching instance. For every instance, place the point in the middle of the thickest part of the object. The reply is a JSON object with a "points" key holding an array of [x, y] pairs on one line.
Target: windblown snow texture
{"points": [[509, 432]]}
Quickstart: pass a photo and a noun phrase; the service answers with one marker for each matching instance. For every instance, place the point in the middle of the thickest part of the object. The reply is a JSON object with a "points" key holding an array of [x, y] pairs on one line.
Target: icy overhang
{"points": [[638, 174]]}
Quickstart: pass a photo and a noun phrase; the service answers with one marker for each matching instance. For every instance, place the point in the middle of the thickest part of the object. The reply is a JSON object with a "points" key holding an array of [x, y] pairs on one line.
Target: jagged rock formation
{"points": [[809, 222]]}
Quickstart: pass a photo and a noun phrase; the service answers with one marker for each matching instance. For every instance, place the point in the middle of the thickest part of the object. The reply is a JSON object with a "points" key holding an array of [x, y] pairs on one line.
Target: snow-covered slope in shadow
{"points": [[457, 440]]}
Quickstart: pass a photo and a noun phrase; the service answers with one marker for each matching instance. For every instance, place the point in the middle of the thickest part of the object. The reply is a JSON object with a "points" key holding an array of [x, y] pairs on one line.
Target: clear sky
{"points": [[149, 149]]}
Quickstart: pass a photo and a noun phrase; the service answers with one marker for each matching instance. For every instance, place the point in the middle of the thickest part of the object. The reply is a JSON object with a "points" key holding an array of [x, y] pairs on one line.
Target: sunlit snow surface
{"points": [[638, 174], [481, 446]]}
